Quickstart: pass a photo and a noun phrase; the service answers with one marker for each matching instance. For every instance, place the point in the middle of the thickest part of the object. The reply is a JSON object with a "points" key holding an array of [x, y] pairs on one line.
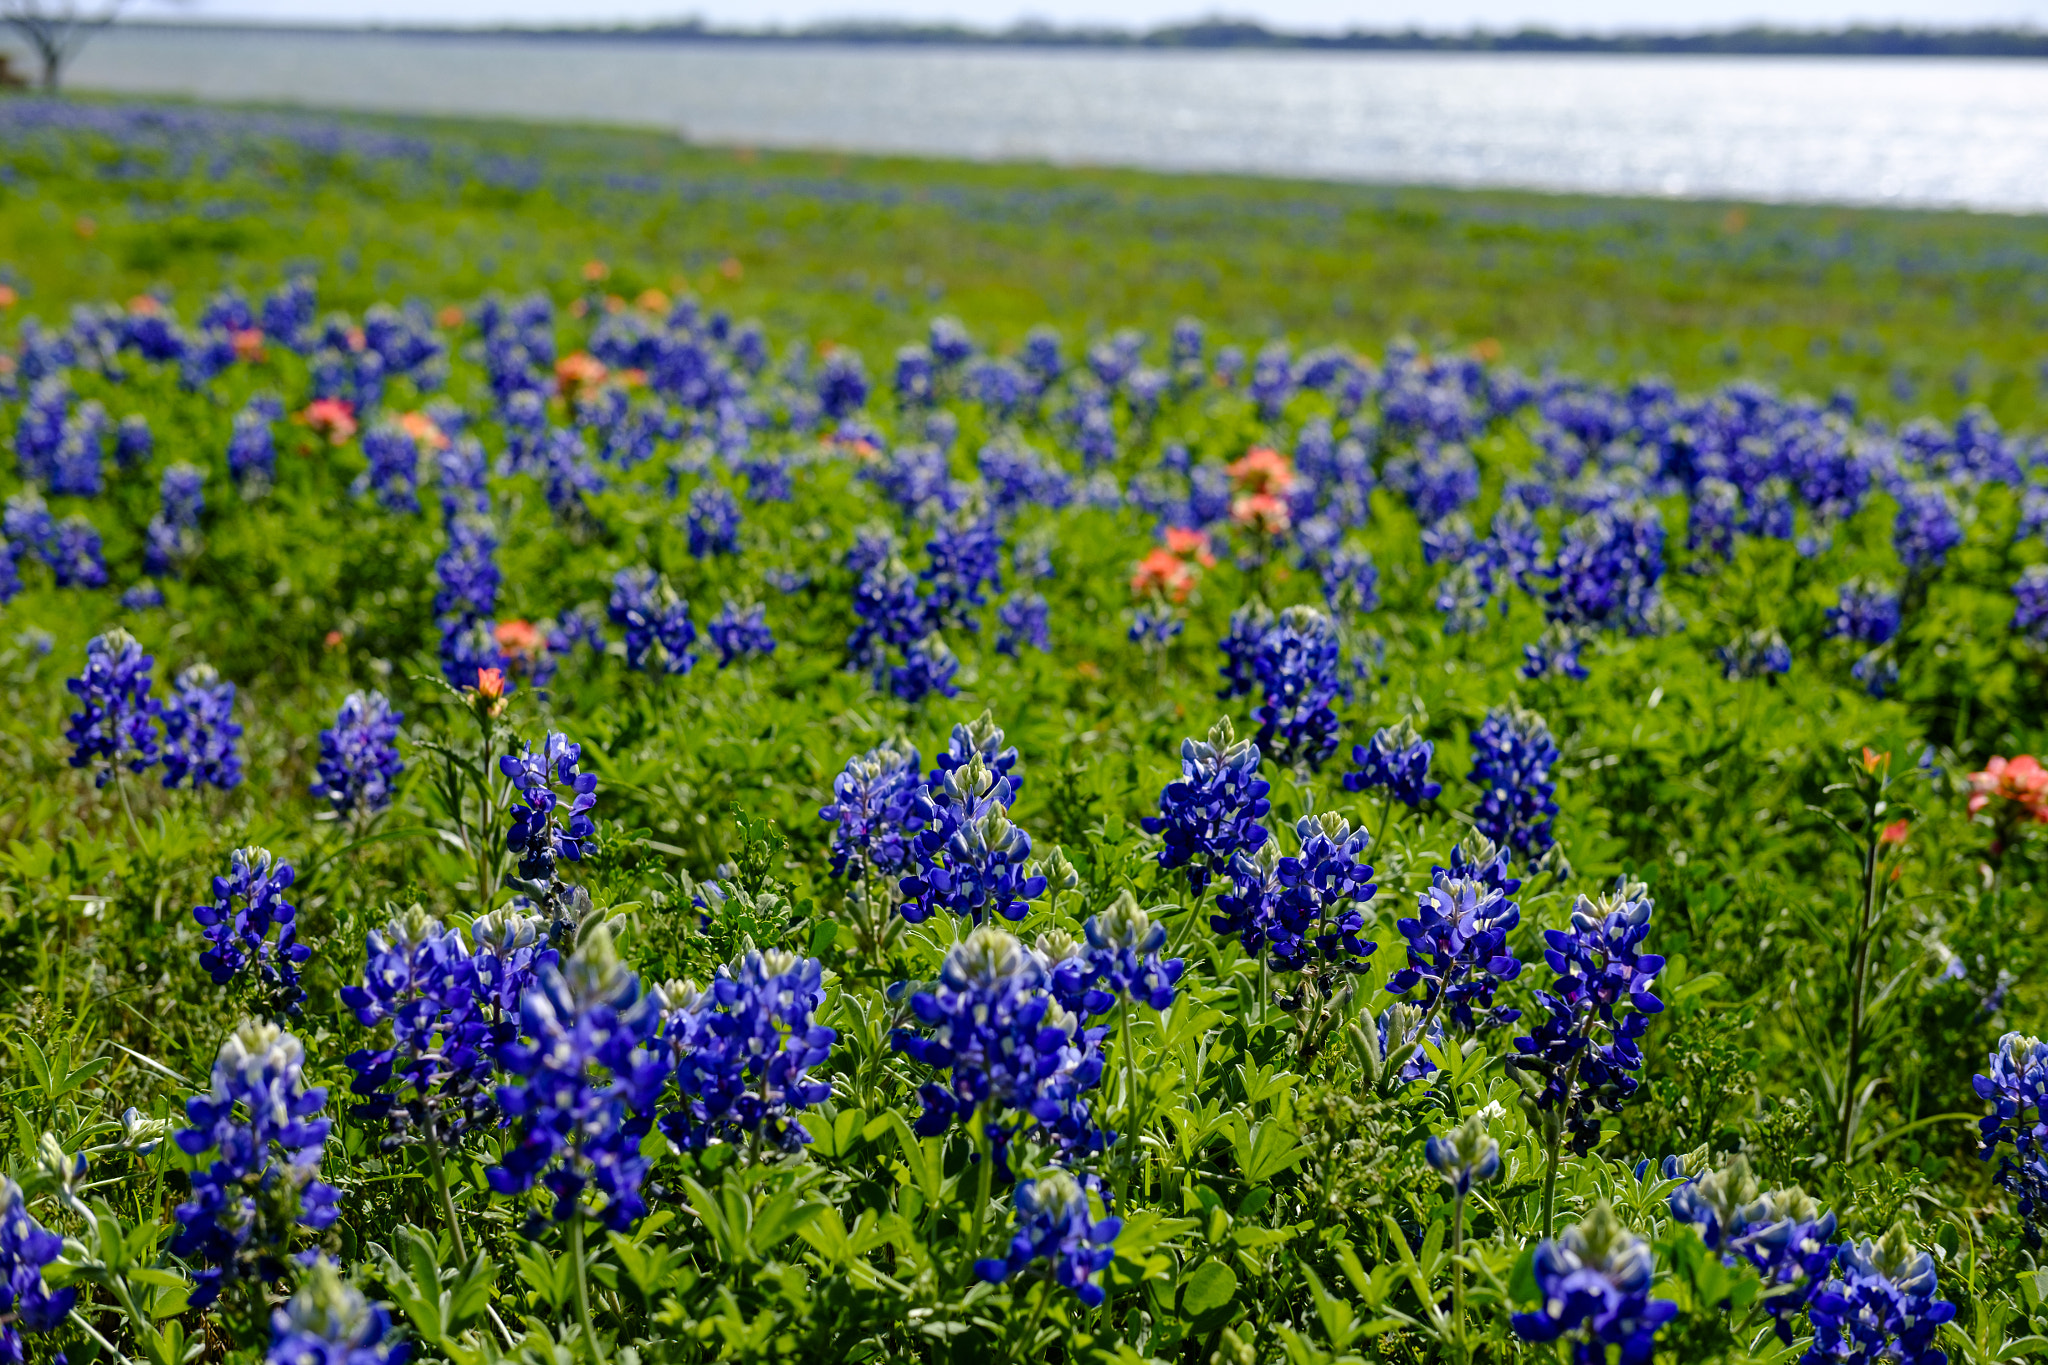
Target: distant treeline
{"points": [[1754, 40]]}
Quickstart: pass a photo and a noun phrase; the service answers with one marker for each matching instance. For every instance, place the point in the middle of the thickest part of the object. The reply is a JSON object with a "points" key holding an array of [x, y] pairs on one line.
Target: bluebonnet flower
{"points": [[1783, 1234], [971, 859], [510, 948], [394, 472], [879, 807], [1307, 908], [1041, 355], [585, 1088], [75, 557], [1710, 523], [264, 1126], [1398, 759], [659, 631], [1155, 628], [1608, 572], [1868, 613], [1464, 594], [433, 1082], [1240, 645], [1212, 813], [1926, 527], [1023, 619], [468, 570], [913, 382], [1876, 670], [1464, 1158], [928, 666], [738, 632], [247, 903], [1594, 1284], [1123, 954], [1070, 975], [842, 384], [950, 344], [142, 597], [1512, 754], [1555, 653], [714, 521], [992, 1023], [1055, 1224], [28, 524], [984, 737], [1758, 654], [116, 720], [469, 649], [200, 731], [1458, 951], [742, 1051], [172, 537], [890, 611], [252, 452], [26, 1247], [1880, 1307], [1586, 1046], [2017, 1088], [965, 558], [329, 1322], [133, 442], [2030, 603], [1297, 667], [1351, 582], [543, 829]]}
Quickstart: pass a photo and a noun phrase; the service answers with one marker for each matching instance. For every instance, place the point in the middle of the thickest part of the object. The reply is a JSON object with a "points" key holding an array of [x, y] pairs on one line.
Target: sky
{"points": [[1595, 15]]}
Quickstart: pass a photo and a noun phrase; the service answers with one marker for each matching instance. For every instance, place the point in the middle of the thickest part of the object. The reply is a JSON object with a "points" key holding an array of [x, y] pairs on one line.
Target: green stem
{"points": [[1130, 1083], [583, 1285], [1458, 1276], [447, 1198], [1386, 819], [134, 830], [1553, 1141], [984, 1180], [1858, 987]]}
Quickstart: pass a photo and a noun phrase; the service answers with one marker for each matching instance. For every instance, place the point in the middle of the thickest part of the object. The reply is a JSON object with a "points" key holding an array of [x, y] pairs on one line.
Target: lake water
{"points": [[1968, 133]]}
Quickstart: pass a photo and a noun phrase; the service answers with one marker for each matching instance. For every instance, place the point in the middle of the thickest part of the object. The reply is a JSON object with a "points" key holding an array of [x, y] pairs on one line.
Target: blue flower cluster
{"points": [[1212, 813], [1783, 1234], [1594, 1290], [1124, 954], [171, 540], [1306, 908], [742, 1051], [1880, 1307], [740, 632], [585, 1077], [1757, 654], [27, 1303], [115, 724], [1295, 661], [1010, 1051], [359, 756], [659, 631], [543, 829], [1586, 1047], [972, 860], [1512, 754], [2030, 603], [329, 1322], [2017, 1088], [200, 731], [263, 1124], [1397, 759], [879, 806], [247, 904], [1056, 1224], [1458, 951], [433, 1082]]}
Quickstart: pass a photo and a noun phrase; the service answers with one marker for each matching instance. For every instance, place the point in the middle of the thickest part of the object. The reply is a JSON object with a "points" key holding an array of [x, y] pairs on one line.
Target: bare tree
{"points": [[57, 29]]}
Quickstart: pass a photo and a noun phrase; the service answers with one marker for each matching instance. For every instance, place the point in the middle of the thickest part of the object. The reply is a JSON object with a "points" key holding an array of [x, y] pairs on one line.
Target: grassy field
{"points": [[1070, 1064]]}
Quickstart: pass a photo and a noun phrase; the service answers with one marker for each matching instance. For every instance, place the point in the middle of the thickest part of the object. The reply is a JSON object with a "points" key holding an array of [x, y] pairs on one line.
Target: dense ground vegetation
{"points": [[976, 815]]}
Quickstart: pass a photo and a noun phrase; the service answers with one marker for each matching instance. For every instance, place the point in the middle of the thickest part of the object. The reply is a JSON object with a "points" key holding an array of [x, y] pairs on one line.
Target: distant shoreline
{"points": [[1221, 35]]}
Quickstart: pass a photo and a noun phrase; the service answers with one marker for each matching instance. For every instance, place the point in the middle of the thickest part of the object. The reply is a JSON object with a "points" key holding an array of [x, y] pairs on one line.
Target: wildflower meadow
{"points": [[573, 804]]}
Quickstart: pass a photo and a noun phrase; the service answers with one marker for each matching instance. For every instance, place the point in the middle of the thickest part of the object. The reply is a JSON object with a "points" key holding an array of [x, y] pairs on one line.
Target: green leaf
{"points": [[1209, 1290]]}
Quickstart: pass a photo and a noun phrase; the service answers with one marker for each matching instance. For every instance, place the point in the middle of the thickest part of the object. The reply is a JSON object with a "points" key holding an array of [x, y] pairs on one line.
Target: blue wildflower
{"points": [[2030, 604], [1926, 527], [252, 452], [468, 570], [433, 1082], [1783, 1234], [329, 1322], [714, 521], [172, 536], [1212, 813], [1249, 625], [742, 1051], [1867, 614], [75, 555], [394, 472], [583, 1091], [842, 387], [247, 904], [1586, 1047], [1009, 1050], [1297, 667], [1023, 619], [1124, 954], [971, 860], [1056, 1224], [1458, 951], [739, 632], [1464, 1158], [116, 720], [1307, 908], [879, 807], [543, 829], [264, 1125], [1880, 1307], [1512, 754], [1397, 759], [1594, 1289], [359, 755], [2017, 1088], [659, 631], [200, 731], [26, 1247], [1757, 654]]}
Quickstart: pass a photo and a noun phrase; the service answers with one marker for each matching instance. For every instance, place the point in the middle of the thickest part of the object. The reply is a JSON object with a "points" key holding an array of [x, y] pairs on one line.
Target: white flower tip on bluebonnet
{"points": [[987, 955]]}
